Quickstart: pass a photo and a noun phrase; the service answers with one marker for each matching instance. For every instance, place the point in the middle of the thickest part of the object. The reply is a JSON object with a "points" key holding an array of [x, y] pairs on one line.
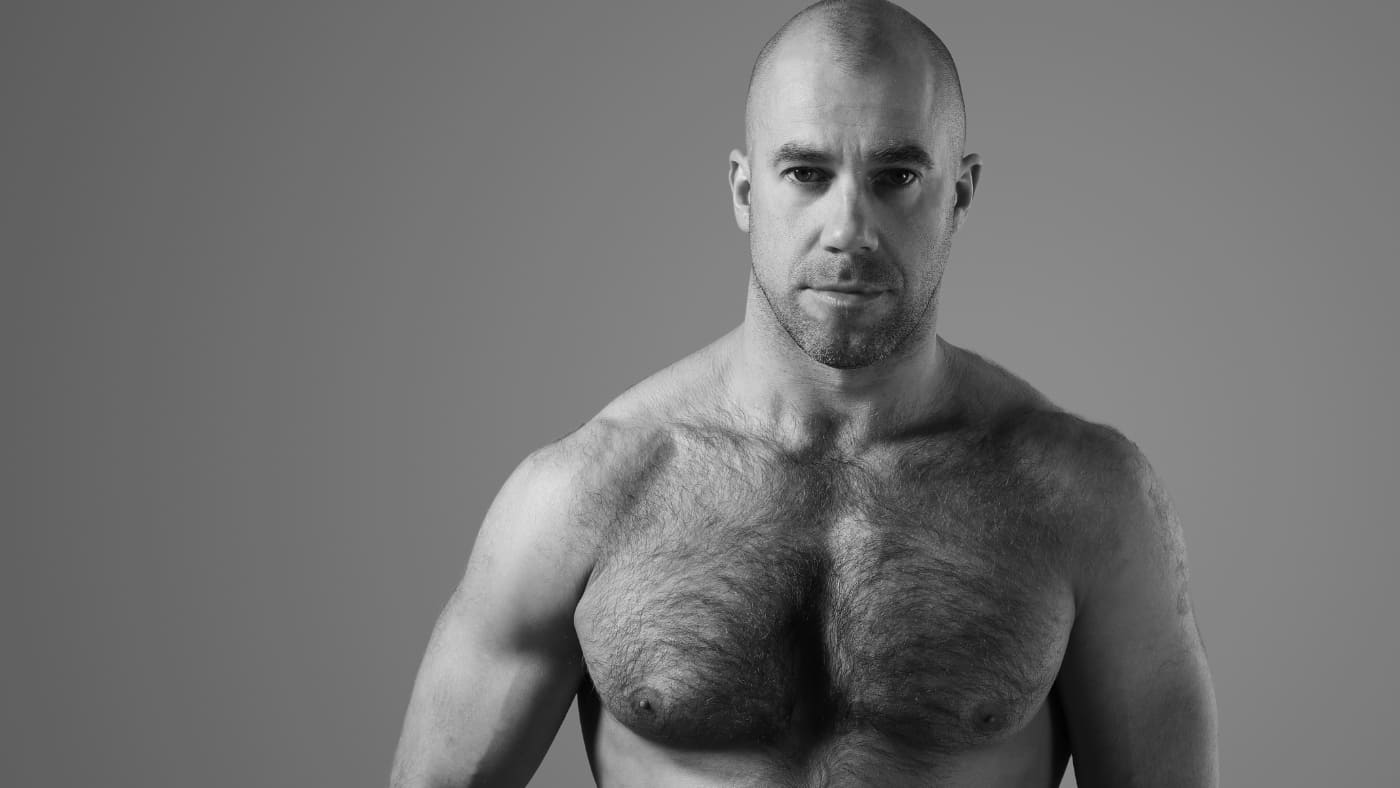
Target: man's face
{"points": [[849, 196]]}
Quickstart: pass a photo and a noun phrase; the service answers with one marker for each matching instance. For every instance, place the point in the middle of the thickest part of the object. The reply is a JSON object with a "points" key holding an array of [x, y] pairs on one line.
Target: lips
{"points": [[843, 301], [850, 288]]}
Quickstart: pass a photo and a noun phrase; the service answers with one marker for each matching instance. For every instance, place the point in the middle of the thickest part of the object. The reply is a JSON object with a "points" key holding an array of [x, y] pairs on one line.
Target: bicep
{"points": [[503, 664], [1134, 683], [482, 709]]}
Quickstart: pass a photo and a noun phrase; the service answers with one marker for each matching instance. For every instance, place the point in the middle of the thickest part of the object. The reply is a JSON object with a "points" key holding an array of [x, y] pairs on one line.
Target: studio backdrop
{"points": [[289, 289]]}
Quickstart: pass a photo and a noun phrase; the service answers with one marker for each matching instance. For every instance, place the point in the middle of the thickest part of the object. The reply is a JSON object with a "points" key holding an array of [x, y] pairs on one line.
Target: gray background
{"points": [[289, 289]]}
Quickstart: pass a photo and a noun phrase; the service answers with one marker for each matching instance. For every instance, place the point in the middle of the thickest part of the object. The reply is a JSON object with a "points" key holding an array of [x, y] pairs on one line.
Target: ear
{"points": [[739, 187], [968, 175]]}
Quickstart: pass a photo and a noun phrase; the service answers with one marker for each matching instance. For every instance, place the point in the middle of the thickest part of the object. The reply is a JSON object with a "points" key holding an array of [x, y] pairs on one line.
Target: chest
{"points": [[785, 602]]}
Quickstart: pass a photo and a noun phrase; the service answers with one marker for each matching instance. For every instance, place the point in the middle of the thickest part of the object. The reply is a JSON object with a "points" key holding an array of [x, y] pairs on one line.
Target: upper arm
{"points": [[503, 664], [1134, 683]]}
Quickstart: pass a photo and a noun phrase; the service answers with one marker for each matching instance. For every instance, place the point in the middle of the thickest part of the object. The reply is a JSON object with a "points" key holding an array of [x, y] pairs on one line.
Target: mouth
{"points": [[860, 288], [846, 295]]}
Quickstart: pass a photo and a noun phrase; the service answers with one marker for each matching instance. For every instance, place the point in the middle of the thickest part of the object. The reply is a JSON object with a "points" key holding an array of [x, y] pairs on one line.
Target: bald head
{"points": [[862, 37]]}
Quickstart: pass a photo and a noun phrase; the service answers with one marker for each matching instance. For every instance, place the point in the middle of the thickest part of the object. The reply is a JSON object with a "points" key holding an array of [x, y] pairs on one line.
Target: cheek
{"points": [[770, 234], [770, 217], [779, 212]]}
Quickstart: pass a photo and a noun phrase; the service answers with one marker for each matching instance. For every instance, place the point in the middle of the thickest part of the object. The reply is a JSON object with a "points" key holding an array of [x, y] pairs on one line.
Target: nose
{"points": [[848, 226]]}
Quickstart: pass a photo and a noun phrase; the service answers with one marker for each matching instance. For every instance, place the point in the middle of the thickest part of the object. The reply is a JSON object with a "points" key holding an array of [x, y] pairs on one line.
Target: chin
{"points": [[846, 356]]}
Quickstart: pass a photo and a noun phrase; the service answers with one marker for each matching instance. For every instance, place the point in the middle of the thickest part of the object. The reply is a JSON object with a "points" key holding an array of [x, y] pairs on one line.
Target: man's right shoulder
{"points": [[590, 468], [613, 456], [558, 503]]}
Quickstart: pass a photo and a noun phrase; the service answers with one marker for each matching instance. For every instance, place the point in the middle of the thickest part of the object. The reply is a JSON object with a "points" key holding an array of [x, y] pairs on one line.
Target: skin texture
{"points": [[830, 548]]}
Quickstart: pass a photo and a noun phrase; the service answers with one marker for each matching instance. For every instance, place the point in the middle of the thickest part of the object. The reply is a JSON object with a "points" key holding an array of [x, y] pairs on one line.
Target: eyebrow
{"points": [[798, 152], [904, 153], [896, 153]]}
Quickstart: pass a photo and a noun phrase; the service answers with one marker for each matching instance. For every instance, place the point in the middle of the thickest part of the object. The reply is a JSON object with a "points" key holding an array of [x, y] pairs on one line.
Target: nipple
{"points": [[646, 701], [989, 717]]}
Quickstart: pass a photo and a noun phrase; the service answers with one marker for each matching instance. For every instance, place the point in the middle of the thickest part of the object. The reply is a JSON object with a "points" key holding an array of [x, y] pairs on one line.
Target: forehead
{"points": [[806, 97]]}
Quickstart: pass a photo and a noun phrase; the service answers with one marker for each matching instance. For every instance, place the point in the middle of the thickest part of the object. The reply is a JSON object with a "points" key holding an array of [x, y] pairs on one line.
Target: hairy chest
{"points": [[782, 602]]}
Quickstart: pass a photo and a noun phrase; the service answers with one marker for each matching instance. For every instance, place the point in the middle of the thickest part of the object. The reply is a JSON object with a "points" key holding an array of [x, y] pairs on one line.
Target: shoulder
{"points": [[1101, 483], [584, 475], [542, 533], [569, 477], [1079, 457], [634, 431], [1109, 501], [1104, 493], [1094, 466]]}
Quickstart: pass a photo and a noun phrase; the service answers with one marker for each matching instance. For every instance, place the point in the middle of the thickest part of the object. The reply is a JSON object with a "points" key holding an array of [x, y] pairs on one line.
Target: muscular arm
{"points": [[503, 663], [1134, 683]]}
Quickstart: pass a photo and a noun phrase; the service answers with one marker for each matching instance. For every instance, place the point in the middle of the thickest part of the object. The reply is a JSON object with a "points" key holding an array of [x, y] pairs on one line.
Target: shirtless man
{"points": [[830, 549]]}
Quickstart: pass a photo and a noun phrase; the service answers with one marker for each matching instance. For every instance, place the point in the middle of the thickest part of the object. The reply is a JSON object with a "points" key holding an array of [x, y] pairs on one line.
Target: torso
{"points": [[780, 617]]}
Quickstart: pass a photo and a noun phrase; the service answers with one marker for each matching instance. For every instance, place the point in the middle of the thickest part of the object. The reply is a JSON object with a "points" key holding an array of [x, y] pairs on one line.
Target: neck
{"points": [[806, 403]]}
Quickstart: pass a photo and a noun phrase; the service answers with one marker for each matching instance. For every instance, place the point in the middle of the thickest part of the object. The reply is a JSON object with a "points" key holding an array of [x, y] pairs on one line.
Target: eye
{"points": [[897, 178], [804, 174]]}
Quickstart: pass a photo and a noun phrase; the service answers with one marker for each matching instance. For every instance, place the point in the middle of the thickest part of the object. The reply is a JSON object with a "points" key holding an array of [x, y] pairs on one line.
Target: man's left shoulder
{"points": [[1095, 476], [1111, 508], [1083, 453], [1091, 471]]}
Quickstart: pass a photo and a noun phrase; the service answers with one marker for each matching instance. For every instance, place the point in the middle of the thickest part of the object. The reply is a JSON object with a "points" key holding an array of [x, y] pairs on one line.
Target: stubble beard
{"points": [[841, 347]]}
